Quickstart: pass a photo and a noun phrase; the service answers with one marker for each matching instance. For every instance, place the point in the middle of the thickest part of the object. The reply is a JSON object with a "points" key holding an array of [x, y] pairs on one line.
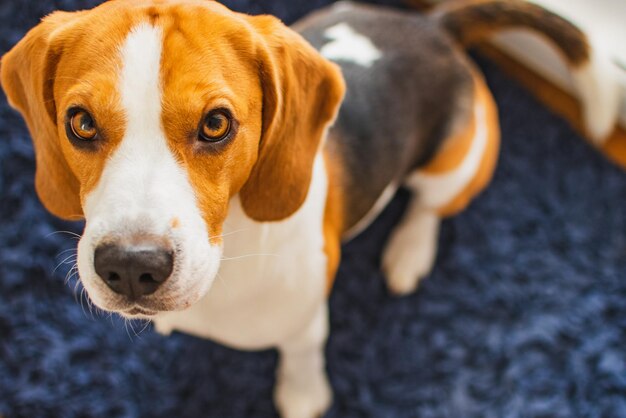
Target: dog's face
{"points": [[148, 117]]}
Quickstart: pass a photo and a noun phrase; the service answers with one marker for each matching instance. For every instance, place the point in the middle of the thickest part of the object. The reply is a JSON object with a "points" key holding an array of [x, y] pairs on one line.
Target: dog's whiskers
{"points": [[126, 321], [73, 272], [223, 282], [76, 289], [132, 327], [70, 233], [65, 251], [131, 322], [228, 233], [82, 297], [90, 304], [249, 255], [71, 259], [145, 326]]}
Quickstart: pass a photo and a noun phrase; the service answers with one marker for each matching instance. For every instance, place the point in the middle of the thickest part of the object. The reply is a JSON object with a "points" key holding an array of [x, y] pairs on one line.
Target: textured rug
{"points": [[523, 316]]}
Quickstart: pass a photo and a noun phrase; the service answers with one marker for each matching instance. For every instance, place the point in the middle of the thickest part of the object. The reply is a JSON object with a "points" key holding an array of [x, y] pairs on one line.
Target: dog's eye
{"points": [[81, 125], [216, 126]]}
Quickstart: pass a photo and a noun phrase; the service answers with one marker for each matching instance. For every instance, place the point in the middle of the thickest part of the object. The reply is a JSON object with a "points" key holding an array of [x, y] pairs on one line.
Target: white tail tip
{"points": [[599, 93]]}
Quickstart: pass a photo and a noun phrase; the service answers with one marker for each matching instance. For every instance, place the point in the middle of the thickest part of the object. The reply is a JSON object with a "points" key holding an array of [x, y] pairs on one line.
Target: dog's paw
{"points": [[303, 401], [407, 259]]}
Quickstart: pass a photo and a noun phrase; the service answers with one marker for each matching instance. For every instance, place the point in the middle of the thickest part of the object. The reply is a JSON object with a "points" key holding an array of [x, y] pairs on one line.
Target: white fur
{"points": [[348, 45], [270, 292], [599, 92], [272, 279], [142, 188], [410, 253], [380, 204], [302, 389], [437, 190], [343, 6]]}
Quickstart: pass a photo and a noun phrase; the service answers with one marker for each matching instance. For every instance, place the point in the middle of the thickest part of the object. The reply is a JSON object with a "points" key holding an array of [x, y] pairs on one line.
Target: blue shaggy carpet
{"points": [[523, 316]]}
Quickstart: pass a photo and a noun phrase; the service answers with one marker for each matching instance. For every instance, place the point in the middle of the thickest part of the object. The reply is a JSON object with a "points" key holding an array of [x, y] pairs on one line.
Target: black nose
{"points": [[135, 269]]}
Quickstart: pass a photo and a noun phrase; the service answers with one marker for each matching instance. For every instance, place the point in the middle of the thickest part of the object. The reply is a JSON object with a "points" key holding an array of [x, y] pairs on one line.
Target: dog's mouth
{"points": [[149, 306], [139, 312], [174, 296]]}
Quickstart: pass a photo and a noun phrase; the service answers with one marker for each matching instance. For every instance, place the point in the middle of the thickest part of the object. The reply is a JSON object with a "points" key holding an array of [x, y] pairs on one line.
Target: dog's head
{"points": [[148, 117]]}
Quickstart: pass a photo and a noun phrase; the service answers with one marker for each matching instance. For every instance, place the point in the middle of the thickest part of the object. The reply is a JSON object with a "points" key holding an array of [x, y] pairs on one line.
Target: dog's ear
{"points": [[28, 76], [301, 96]]}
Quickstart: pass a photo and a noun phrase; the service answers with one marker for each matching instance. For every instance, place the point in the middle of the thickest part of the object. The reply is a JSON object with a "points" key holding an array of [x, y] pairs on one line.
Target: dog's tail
{"points": [[470, 21]]}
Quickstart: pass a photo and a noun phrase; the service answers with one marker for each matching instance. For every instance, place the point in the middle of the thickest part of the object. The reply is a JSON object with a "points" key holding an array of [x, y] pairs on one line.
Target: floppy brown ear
{"points": [[301, 96], [27, 74]]}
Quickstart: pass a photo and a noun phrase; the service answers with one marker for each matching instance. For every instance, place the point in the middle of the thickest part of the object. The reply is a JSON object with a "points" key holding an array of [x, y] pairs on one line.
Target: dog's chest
{"points": [[271, 279]]}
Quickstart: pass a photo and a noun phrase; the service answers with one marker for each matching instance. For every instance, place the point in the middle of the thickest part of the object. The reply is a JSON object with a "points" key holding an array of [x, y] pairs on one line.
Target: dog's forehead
{"points": [[206, 52], [205, 46], [96, 35]]}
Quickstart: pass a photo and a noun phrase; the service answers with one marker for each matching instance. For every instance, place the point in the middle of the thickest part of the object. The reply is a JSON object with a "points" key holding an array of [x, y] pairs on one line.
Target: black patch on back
{"points": [[397, 112]]}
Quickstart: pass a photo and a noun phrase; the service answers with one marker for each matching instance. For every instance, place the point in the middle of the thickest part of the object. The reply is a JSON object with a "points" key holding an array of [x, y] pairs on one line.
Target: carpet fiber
{"points": [[523, 316]]}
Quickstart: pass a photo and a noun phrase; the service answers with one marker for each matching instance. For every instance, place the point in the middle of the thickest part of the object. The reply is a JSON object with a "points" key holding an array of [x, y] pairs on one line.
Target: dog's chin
{"points": [[138, 313], [147, 307]]}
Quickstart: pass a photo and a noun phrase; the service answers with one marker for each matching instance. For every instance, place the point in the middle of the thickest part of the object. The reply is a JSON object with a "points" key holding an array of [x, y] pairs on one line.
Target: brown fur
{"points": [[301, 96], [490, 156], [453, 150], [334, 216], [284, 93], [27, 71]]}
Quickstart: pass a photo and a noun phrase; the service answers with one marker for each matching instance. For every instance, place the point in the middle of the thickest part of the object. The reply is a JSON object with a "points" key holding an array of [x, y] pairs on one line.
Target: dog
{"points": [[186, 134]]}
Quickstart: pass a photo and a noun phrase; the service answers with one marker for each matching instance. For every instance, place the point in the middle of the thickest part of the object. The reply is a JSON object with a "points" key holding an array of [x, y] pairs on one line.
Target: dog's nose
{"points": [[135, 269]]}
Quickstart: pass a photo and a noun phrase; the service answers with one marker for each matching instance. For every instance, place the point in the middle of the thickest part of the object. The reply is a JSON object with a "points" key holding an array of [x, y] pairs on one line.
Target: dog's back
{"points": [[410, 84], [404, 80], [418, 112]]}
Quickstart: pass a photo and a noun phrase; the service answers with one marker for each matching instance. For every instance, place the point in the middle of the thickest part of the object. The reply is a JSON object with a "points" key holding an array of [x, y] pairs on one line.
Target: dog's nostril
{"points": [[147, 278], [114, 277]]}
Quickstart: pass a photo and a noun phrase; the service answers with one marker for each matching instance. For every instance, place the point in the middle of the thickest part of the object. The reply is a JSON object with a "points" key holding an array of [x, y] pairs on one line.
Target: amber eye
{"points": [[216, 126], [81, 125]]}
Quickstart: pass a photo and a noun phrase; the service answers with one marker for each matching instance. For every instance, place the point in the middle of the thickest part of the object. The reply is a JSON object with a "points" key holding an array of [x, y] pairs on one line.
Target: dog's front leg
{"points": [[302, 388]]}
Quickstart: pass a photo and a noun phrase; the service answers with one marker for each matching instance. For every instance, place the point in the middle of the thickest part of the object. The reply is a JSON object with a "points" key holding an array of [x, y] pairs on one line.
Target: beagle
{"points": [[218, 174]]}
